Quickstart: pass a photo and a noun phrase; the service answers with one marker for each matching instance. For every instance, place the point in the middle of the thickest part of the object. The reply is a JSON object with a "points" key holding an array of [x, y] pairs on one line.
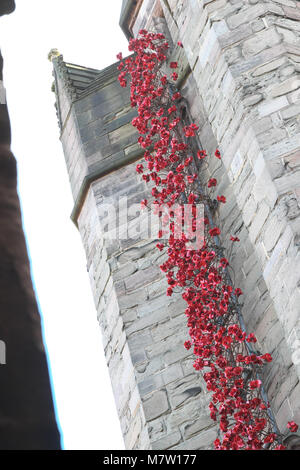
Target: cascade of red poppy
{"points": [[223, 351]]}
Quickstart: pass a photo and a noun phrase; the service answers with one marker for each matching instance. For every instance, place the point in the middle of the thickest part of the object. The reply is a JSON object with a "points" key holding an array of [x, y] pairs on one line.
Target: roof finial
{"points": [[53, 53]]}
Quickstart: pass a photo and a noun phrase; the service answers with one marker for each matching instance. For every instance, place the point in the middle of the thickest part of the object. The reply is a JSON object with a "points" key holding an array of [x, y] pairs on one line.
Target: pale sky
{"points": [[86, 33]]}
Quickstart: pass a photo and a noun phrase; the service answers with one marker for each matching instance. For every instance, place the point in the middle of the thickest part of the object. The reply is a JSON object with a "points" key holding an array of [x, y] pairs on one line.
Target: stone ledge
{"points": [[104, 167]]}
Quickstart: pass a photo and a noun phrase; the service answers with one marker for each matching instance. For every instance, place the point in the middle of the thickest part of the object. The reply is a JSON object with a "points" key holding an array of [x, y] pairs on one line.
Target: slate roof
{"points": [[80, 77], [83, 80]]}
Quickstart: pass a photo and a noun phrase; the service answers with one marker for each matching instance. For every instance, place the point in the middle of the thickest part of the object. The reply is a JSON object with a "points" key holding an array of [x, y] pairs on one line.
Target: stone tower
{"points": [[239, 74]]}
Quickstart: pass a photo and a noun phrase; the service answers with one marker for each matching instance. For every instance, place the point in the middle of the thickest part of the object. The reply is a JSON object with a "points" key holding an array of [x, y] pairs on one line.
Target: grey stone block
{"points": [[167, 441], [235, 36], [156, 405], [204, 440], [195, 427], [252, 13], [149, 320], [266, 38], [183, 389], [142, 278]]}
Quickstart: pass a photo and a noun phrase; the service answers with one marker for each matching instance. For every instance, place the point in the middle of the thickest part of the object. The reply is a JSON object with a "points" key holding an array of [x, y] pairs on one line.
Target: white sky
{"points": [[87, 33]]}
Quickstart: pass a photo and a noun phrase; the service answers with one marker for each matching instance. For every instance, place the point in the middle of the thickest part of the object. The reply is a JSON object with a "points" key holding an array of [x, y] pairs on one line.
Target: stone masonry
{"points": [[239, 74]]}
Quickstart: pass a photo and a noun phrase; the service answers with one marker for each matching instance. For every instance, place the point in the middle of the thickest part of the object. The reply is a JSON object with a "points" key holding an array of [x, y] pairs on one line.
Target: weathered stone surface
{"points": [[272, 231], [284, 87], [142, 278], [195, 427], [236, 36], [283, 148], [240, 18], [277, 254], [269, 67], [183, 389], [167, 441], [201, 441], [148, 320], [156, 405], [249, 210], [132, 300], [272, 106], [266, 38]]}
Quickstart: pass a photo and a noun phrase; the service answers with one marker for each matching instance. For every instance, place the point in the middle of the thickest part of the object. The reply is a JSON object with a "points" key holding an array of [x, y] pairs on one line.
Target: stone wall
{"points": [[243, 87], [240, 76], [161, 401]]}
